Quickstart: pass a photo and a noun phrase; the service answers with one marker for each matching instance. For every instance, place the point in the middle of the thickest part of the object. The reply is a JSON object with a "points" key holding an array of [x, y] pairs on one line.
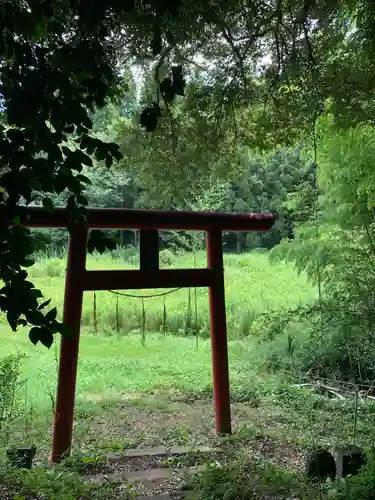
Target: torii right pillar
{"points": [[218, 324]]}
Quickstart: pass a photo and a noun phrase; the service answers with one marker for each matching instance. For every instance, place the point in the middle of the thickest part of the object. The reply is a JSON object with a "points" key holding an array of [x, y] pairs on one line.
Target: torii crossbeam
{"points": [[79, 279]]}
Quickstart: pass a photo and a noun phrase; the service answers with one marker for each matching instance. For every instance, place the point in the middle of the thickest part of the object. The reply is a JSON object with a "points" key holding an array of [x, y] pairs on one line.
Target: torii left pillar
{"points": [[66, 383]]}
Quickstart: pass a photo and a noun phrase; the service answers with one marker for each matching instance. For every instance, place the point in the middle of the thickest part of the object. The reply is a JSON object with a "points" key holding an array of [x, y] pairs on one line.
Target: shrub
{"points": [[166, 257], [51, 268], [220, 482], [332, 344], [358, 487], [128, 255], [9, 383]]}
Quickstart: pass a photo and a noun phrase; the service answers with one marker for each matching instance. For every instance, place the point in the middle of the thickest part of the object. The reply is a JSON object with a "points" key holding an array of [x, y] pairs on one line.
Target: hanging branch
{"points": [[240, 57], [164, 54]]}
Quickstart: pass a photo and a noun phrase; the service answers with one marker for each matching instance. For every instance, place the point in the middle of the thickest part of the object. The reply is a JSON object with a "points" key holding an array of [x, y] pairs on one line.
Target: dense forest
{"points": [[239, 177], [233, 107]]}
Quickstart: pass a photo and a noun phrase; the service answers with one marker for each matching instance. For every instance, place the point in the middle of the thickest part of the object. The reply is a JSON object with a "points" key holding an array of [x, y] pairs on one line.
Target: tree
{"points": [[335, 246], [60, 60]]}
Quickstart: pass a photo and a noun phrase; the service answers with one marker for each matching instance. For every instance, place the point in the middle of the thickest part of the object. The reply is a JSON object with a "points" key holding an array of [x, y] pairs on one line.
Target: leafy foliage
{"points": [[61, 61], [10, 382], [52, 73], [361, 486], [335, 247]]}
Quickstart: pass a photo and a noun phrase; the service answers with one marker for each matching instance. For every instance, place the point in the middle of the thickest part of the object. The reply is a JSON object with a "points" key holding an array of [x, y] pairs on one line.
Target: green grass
{"points": [[253, 286], [160, 393], [111, 368]]}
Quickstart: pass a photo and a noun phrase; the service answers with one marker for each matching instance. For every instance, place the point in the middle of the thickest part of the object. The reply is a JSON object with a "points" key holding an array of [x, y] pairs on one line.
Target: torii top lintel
{"points": [[119, 218]]}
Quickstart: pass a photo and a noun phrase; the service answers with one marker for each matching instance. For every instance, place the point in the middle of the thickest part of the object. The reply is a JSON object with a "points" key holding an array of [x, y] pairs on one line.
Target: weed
{"points": [[161, 393], [10, 373], [253, 286], [220, 482], [357, 487], [54, 484]]}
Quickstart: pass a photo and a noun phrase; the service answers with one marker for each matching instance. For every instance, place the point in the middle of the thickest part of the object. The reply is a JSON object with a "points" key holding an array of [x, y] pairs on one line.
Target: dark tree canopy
{"points": [[60, 60]]}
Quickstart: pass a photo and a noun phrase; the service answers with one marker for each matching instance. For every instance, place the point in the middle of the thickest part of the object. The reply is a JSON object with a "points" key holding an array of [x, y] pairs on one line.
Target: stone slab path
{"points": [[145, 470]]}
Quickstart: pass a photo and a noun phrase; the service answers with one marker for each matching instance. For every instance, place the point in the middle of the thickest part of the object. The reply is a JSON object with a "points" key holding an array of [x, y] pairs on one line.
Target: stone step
{"points": [[159, 452], [165, 496], [143, 476]]}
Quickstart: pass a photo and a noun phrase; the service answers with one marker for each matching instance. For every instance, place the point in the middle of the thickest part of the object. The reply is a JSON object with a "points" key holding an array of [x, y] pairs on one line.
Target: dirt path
{"points": [[167, 420], [110, 443]]}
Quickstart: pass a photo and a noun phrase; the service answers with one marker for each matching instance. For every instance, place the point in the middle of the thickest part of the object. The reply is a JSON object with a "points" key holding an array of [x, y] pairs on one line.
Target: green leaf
{"points": [[71, 202], [44, 304], [85, 120], [51, 315], [27, 263], [110, 243], [117, 155], [46, 337], [96, 241], [35, 184], [82, 200], [90, 246], [100, 246], [59, 184], [85, 159], [109, 161], [69, 129], [101, 153], [84, 179], [114, 149], [35, 293], [47, 205], [97, 234], [35, 334], [35, 317]]}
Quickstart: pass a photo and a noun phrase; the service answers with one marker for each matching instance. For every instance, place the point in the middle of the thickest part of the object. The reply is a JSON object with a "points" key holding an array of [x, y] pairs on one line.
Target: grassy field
{"points": [[253, 286], [133, 395]]}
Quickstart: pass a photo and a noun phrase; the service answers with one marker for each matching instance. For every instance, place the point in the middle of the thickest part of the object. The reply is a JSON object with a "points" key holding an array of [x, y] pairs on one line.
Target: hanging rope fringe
{"points": [[143, 324], [188, 314], [117, 316], [164, 316], [188, 326], [196, 318], [94, 317]]}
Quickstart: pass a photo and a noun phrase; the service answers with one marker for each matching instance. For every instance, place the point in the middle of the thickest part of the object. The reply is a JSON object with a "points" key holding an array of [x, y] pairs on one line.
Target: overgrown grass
{"points": [[114, 364], [129, 394], [253, 286], [110, 369]]}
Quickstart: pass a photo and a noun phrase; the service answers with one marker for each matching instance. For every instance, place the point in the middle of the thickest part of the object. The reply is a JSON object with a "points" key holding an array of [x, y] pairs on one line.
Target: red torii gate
{"points": [[78, 280]]}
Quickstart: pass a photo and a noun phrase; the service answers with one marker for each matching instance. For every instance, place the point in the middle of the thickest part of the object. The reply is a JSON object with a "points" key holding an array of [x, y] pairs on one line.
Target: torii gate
{"points": [[79, 279]]}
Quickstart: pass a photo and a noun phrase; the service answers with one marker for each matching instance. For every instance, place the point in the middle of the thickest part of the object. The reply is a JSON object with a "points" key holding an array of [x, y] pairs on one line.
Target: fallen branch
{"points": [[322, 388]]}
